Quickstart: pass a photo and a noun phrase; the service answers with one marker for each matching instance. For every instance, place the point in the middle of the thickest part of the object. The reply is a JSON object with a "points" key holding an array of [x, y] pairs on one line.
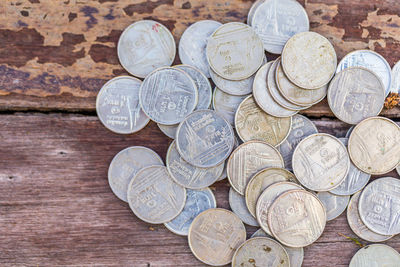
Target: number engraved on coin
{"points": [[226, 105], [334, 205], [238, 206]]}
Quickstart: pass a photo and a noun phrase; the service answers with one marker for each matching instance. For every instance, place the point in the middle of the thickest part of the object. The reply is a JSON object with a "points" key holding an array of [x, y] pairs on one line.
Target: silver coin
{"points": [[168, 95], [190, 176], [205, 139], [349, 131], [369, 60], [197, 201], [126, 164], [145, 46], [237, 88], [226, 105], [252, 10], [396, 78], [237, 203], [354, 181], [224, 172], [334, 205], [398, 169], [379, 206], [376, 255], [117, 105], [193, 43], [275, 21], [154, 197], [168, 130], [301, 128]]}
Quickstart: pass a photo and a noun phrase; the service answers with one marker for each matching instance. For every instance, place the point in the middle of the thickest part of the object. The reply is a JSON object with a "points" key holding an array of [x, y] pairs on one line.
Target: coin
{"points": [[252, 123], [168, 130], [379, 206], [261, 251], [226, 105], [301, 128], [248, 159], [193, 43], [398, 169], [349, 131], [376, 255], [335, 205], [214, 236], [188, 175], [168, 95], [238, 206], [369, 60], [297, 218], [236, 88], [395, 78], [205, 139], [354, 181], [197, 201], [374, 145], [224, 174], [126, 164], [145, 46], [117, 105], [356, 224], [356, 94], [309, 60], [154, 197], [252, 10], [234, 51], [277, 20]]}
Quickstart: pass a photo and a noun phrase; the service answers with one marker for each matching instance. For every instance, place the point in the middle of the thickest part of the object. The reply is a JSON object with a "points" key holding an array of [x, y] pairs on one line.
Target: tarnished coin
{"points": [[168, 95], [356, 224], [226, 105], [379, 206], [374, 145], [320, 162], [126, 164], [205, 139], [145, 46], [190, 176], [275, 21], [297, 218], [234, 51], [376, 255], [396, 78], [238, 206], [261, 251], [369, 60], [334, 205], [193, 43], [252, 10], [301, 128], [248, 159], [117, 105], [309, 60], [356, 94], [237, 88], [214, 236], [354, 181], [154, 197], [252, 123], [168, 130], [197, 201]]}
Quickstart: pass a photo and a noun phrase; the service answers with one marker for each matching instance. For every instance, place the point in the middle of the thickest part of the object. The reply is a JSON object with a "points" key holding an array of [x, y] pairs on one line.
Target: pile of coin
{"points": [[285, 176]]}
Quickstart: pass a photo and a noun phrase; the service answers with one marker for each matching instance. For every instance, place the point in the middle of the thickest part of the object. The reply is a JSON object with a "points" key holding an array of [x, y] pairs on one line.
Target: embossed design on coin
{"points": [[168, 130], [145, 46], [238, 206], [154, 197], [117, 105], [375, 255], [396, 78], [236, 88], [214, 236], [226, 105], [334, 205]]}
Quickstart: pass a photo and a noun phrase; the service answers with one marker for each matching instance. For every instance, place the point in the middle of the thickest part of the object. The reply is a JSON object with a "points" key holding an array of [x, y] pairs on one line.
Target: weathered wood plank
{"points": [[56, 207]]}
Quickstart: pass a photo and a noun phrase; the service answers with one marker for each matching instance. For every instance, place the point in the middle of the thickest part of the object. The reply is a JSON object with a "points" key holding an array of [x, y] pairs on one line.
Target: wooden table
{"points": [[56, 207]]}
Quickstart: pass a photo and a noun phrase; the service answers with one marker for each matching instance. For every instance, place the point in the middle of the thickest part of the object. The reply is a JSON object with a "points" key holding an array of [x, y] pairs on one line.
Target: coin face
{"points": [[356, 94], [117, 105], [379, 206], [190, 176], [375, 255], [369, 60], [356, 224], [154, 197], [145, 46], [396, 78], [320, 162], [193, 43], [168, 95], [276, 21], [168, 130], [374, 145], [226, 105], [297, 218], [126, 164], [261, 251], [238, 206], [248, 159], [234, 51], [252, 123], [309, 60], [205, 139], [197, 201], [237, 88], [214, 236], [335, 205]]}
